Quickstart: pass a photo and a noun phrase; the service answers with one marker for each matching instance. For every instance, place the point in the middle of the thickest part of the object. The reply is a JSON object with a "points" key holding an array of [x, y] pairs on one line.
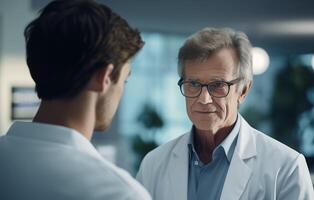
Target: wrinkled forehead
{"points": [[220, 63]]}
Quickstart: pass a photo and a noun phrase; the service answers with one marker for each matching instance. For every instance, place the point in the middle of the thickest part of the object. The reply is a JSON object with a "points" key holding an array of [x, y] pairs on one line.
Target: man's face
{"points": [[108, 103], [206, 112]]}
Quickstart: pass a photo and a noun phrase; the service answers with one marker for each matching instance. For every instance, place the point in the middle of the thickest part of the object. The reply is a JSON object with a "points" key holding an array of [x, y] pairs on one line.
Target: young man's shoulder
{"points": [[83, 175]]}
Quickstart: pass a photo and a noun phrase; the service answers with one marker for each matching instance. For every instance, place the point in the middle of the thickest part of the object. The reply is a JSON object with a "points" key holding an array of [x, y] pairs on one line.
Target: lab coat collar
{"points": [[238, 174], [54, 134], [240, 171]]}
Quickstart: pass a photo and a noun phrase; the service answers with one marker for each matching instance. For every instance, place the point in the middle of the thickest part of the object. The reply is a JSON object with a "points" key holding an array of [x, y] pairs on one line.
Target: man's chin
{"points": [[205, 125], [102, 127]]}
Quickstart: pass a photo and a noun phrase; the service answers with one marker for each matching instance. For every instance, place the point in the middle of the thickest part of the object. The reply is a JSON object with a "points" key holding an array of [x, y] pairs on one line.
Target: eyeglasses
{"points": [[218, 89]]}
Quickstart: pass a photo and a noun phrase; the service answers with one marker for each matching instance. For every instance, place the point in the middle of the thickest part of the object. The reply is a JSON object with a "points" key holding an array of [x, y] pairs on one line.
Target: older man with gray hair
{"points": [[222, 156]]}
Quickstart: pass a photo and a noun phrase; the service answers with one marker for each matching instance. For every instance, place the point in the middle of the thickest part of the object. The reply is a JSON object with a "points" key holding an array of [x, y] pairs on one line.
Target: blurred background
{"points": [[152, 110]]}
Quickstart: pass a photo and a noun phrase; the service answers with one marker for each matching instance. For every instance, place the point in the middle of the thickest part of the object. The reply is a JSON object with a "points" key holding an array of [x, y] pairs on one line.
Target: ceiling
{"points": [[278, 26]]}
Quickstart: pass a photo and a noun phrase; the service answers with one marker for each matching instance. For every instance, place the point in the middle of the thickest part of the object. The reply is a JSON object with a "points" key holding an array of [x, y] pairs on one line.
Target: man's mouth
{"points": [[205, 112]]}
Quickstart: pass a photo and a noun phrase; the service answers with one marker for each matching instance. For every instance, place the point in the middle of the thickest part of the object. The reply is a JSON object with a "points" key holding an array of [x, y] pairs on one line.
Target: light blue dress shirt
{"points": [[206, 181]]}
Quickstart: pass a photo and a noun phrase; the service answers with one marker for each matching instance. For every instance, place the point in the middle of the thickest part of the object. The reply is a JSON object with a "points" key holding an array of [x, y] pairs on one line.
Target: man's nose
{"points": [[205, 97]]}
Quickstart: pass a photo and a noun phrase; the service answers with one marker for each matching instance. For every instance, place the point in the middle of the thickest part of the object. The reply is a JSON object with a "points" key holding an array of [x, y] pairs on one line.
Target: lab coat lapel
{"points": [[179, 169], [240, 171]]}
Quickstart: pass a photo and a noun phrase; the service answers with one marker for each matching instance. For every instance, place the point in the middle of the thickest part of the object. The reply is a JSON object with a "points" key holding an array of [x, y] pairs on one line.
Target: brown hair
{"points": [[70, 40]]}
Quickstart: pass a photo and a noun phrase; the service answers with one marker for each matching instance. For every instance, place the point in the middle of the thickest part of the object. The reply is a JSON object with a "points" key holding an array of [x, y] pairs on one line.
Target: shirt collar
{"points": [[228, 144], [54, 134]]}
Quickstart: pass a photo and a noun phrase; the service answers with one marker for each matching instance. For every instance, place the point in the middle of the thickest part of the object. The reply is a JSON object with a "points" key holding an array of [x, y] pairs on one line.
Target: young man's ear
{"points": [[101, 80], [245, 90]]}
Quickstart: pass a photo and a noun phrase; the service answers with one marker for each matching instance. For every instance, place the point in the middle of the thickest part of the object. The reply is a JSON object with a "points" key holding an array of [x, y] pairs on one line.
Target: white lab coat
{"points": [[47, 162], [261, 168]]}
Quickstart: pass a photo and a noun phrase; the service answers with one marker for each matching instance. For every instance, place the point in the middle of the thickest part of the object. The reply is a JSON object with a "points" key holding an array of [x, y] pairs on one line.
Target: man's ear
{"points": [[101, 80], [245, 90]]}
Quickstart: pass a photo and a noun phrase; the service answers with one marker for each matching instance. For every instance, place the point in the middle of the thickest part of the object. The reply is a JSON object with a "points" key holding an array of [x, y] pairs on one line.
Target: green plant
{"points": [[143, 142], [290, 100]]}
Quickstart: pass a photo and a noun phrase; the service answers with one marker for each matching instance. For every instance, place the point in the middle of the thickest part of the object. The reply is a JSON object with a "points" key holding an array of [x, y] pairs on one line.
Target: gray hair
{"points": [[204, 43]]}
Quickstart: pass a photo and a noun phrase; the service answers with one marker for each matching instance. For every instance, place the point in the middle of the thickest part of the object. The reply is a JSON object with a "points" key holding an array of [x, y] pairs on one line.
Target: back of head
{"points": [[70, 40], [204, 43]]}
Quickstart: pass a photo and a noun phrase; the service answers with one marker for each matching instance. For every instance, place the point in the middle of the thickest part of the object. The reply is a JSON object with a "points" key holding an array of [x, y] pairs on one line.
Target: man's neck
{"points": [[205, 141], [77, 113]]}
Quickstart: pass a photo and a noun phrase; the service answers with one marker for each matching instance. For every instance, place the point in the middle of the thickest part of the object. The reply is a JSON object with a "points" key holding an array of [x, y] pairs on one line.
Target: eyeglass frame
{"points": [[229, 83]]}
